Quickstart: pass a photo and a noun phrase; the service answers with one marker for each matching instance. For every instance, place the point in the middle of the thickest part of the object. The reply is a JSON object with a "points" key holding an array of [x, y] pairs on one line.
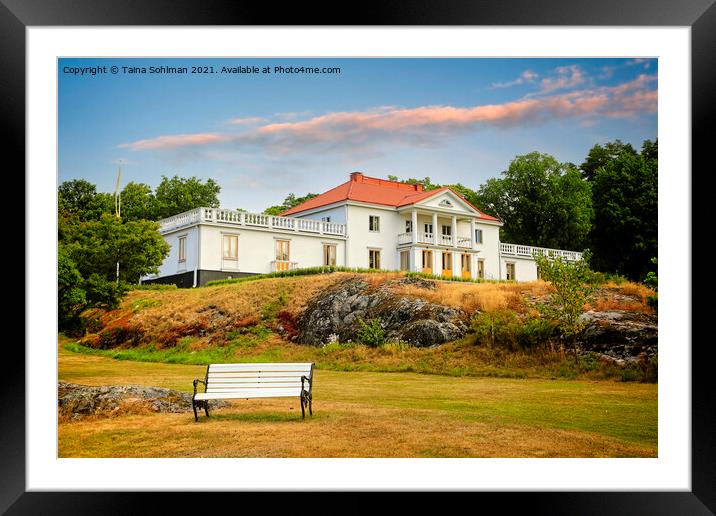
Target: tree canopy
{"points": [[625, 197], [541, 201], [289, 202]]}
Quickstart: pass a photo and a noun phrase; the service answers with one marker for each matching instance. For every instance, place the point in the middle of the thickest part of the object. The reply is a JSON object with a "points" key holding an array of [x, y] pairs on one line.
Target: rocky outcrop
{"points": [[339, 310], [76, 401], [620, 335]]}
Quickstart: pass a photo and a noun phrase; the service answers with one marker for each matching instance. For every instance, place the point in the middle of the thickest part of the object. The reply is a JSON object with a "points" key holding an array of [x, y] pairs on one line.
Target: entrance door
{"points": [[428, 262], [447, 264], [465, 266]]}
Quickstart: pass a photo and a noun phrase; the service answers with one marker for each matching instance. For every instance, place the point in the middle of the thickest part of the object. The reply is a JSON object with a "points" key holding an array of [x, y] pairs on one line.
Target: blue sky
{"points": [[262, 136]]}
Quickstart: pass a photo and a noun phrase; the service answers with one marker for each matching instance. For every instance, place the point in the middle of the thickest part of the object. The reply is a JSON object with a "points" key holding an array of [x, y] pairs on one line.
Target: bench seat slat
{"points": [[259, 367], [260, 374], [253, 393], [254, 385]]}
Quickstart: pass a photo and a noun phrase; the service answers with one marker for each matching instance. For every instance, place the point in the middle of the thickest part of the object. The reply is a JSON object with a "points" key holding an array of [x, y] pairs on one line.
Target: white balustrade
{"points": [[235, 217], [405, 238], [425, 238], [445, 240], [529, 251], [464, 242]]}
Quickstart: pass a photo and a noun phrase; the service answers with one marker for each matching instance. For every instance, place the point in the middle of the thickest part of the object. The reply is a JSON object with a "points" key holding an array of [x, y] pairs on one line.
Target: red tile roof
{"points": [[376, 191]]}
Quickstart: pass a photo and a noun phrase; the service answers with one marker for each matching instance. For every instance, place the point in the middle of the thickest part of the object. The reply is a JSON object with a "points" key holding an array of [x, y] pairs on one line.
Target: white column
{"points": [[414, 225], [473, 265], [456, 264], [454, 231], [435, 228], [437, 262], [472, 234]]}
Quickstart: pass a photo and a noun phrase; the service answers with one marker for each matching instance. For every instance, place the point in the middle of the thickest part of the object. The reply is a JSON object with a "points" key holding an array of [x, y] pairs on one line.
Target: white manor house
{"points": [[365, 222]]}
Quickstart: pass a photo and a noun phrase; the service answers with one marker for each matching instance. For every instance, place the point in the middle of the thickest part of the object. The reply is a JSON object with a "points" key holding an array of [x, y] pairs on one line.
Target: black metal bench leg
{"points": [[310, 405], [193, 406], [206, 408], [303, 408]]}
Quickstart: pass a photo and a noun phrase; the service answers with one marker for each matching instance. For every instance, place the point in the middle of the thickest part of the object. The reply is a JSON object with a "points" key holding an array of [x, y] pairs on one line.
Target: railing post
{"points": [[414, 225]]}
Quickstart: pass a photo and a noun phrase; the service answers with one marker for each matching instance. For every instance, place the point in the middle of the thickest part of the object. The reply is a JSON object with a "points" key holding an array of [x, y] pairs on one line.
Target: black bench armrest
{"points": [[196, 380], [310, 383]]}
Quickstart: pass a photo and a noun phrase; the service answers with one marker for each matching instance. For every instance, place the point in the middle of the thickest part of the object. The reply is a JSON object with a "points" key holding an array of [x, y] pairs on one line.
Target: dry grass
{"points": [[485, 297], [372, 415]]}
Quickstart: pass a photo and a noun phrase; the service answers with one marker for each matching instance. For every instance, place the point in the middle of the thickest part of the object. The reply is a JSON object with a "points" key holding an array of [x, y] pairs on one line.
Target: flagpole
{"points": [[118, 204]]}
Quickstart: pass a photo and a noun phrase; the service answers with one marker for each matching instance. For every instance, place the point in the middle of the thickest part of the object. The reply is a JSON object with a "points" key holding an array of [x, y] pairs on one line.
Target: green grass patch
{"points": [[141, 304], [152, 286]]}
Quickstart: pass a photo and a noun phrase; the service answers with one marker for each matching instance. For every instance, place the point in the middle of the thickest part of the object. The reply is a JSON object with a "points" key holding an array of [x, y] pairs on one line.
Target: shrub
{"points": [[371, 333], [504, 328], [573, 284]]}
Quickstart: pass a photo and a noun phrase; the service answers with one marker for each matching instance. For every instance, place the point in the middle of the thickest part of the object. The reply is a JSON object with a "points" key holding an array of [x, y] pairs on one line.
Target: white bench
{"points": [[237, 381]]}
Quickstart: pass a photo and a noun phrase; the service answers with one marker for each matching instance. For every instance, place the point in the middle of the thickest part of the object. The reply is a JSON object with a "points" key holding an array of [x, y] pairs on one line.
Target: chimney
{"points": [[419, 187], [357, 177]]}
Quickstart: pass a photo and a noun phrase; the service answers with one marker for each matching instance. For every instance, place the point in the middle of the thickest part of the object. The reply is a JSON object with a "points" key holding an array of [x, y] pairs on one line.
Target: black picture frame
{"points": [[699, 15]]}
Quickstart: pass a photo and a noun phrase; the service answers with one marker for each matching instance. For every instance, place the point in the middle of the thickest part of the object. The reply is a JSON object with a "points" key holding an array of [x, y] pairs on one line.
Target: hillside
{"points": [[416, 325]]}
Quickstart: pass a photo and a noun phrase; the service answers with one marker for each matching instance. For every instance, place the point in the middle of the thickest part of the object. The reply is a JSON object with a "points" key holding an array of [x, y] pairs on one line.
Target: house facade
{"points": [[366, 222]]}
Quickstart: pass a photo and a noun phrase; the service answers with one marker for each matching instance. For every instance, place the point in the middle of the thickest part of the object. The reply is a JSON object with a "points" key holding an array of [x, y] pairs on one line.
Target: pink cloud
{"points": [[249, 120], [363, 131], [176, 141]]}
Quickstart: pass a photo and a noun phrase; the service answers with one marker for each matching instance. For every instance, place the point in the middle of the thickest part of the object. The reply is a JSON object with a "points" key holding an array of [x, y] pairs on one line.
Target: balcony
{"points": [[429, 238], [253, 220], [527, 251]]}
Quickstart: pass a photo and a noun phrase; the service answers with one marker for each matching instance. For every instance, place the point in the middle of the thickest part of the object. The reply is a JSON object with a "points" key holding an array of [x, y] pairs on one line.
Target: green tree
{"points": [[76, 294], [599, 156], [542, 202], [78, 198], [573, 284], [625, 199], [138, 202], [96, 246], [179, 194], [289, 202]]}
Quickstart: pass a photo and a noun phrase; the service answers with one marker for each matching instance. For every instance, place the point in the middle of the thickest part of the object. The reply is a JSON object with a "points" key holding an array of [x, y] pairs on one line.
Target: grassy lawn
{"points": [[372, 414]]}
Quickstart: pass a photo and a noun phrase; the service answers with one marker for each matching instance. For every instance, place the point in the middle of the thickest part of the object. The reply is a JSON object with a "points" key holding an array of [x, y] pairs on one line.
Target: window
{"points": [[478, 236], [373, 223], [329, 255], [481, 268], [447, 230], [231, 247], [510, 271], [404, 260], [282, 250], [325, 219], [408, 226], [182, 249], [428, 228], [373, 259]]}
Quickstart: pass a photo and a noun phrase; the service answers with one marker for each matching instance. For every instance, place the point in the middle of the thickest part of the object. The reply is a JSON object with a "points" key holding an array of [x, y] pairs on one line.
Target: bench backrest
{"points": [[226, 378]]}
